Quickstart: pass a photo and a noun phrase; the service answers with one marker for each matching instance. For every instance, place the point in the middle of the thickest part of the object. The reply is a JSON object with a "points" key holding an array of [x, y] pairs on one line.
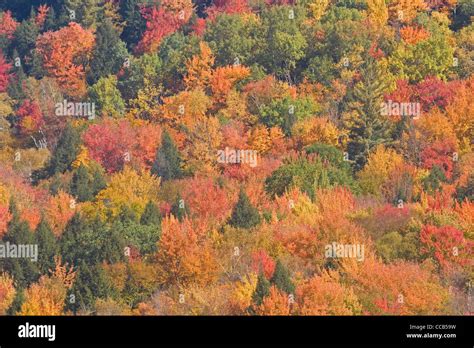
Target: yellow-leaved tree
{"points": [[262, 138], [405, 11], [315, 130], [47, 296], [318, 8], [379, 165], [200, 152], [126, 189], [377, 12], [7, 292], [460, 113], [184, 109]]}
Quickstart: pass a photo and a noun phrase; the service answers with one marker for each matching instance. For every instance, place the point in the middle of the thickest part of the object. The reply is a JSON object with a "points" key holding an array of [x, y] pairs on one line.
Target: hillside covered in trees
{"points": [[236, 157]]}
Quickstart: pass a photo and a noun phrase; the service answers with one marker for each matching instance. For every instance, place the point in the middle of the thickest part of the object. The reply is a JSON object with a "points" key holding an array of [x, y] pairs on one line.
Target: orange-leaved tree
{"points": [[65, 54], [48, 295], [184, 254]]}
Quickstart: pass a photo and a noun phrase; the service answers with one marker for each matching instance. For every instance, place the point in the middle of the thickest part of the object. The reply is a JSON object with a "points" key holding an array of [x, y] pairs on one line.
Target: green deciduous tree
{"points": [[285, 44], [141, 73], [286, 111], [107, 97], [308, 175], [85, 12], [234, 39]]}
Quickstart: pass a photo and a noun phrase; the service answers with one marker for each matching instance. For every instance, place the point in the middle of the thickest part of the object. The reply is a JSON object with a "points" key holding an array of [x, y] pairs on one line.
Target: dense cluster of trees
{"points": [[132, 208]]}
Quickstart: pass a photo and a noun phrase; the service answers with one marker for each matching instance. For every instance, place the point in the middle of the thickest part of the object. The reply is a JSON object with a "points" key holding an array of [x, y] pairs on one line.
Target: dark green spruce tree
{"points": [[79, 242], [109, 52], [47, 245], [81, 186], [179, 208], [90, 284], [244, 214], [151, 215], [262, 289], [24, 270], [432, 183], [135, 23], [281, 279], [15, 87], [24, 41], [50, 23], [65, 152], [86, 183], [466, 192], [167, 164]]}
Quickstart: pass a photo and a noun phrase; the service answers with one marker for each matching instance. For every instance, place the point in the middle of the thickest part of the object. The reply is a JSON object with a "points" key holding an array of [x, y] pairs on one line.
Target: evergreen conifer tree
{"points": [[369, 128], [24, 270], [281, 279], [179, 208], [151, 215], [65, 152], [167, 164], [135, 23], [47, 245], [244, 215], [261, 290], [109, 52], [90, 284], [81, 186]]}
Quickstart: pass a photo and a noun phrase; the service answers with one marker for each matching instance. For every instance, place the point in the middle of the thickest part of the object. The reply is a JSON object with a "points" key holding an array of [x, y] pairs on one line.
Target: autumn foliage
{"points": [[65, 54], [237, 157]]}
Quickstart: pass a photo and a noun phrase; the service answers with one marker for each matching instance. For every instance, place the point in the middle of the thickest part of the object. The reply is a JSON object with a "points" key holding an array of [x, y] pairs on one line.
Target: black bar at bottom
{"points": [[452, 331]]}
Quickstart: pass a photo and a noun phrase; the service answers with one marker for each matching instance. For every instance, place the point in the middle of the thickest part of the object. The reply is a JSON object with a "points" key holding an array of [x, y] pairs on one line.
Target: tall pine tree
{"points": [[80, 184], [109, 52], [135, 23], [368, 128], [281, 279], [167, 164], [24, 270], [48, 246], [261, 290], [66, 151]]}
